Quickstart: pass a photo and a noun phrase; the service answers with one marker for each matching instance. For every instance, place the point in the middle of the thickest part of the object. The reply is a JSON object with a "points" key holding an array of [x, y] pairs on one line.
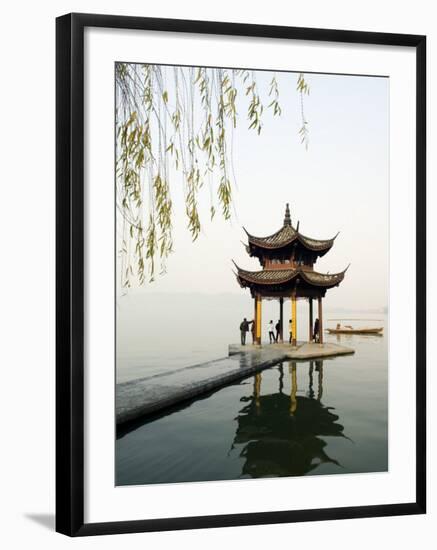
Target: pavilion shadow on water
{"points": [[280, 434]]}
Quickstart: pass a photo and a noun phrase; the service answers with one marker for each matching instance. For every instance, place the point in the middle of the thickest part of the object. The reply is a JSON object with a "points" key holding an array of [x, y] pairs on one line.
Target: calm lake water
{"points": [[293, 419]]}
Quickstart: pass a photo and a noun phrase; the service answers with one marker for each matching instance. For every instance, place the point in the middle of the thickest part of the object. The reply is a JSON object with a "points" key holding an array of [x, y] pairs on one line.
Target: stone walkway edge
{"points": [[144, 396]]}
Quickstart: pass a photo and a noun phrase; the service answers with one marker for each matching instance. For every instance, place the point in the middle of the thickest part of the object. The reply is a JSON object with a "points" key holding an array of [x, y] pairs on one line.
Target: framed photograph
{"points": [[240, 274]]}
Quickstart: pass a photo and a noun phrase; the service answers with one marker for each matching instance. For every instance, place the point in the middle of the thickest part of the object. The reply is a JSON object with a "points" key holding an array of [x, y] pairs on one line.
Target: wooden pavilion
{"points": [[287, 258]]}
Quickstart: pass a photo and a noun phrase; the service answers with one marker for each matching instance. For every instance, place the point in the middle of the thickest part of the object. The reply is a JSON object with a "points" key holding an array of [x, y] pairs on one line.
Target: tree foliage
{"points": [[173, 120]]}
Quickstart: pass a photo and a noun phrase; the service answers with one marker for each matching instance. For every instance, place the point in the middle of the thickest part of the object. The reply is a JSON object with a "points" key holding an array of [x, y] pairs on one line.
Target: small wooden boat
{"points": [[347, 330]]}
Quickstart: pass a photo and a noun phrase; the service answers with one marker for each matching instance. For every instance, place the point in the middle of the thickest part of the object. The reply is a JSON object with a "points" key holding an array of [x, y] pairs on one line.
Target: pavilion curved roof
{"points": [[281, 276], [287, 235]]}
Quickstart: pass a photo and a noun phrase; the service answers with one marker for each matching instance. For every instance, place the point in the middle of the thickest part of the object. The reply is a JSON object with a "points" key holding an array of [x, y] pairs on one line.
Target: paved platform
{"points": [[151, 394], [302, 352]]}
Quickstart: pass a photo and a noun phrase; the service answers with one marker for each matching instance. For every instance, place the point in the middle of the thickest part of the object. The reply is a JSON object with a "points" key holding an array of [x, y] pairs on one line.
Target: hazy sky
{"points": [[339, 184]]}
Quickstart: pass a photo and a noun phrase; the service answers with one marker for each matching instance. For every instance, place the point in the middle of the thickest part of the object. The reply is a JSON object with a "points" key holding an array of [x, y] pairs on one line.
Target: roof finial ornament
{"points": [[287, 219]]}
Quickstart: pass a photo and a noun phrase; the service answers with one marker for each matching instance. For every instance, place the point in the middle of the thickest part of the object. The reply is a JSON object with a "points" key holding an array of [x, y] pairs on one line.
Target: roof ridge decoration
{"points": [[287, 218]]}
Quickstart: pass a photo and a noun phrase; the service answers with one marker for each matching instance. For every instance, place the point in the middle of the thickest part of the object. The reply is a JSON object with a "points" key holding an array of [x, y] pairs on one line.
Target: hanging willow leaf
{"points": [[179, 120]]}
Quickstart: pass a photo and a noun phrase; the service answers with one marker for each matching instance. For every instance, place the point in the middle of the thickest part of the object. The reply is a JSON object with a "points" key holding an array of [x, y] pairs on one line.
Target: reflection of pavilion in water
{"points": [[282, 434]]}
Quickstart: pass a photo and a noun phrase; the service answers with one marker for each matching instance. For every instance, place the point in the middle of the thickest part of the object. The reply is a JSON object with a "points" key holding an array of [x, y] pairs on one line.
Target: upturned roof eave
{"points": [[251, 277], [260, 242]]}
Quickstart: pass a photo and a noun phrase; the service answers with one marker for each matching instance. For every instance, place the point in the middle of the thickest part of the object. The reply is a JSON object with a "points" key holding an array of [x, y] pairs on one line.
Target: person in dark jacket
{"points": [[244, 327], [278, 330], [316, 331]]}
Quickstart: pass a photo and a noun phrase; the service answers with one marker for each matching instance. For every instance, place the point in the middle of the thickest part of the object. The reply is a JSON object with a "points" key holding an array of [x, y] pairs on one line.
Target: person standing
{"points": [[271, 332], [253, 331], [290, 330], [244, 327], [316, 331], [278, 330]]}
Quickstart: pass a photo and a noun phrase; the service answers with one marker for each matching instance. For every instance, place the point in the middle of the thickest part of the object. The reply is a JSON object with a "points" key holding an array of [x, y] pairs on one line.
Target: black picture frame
{"points": [[70, 273]]}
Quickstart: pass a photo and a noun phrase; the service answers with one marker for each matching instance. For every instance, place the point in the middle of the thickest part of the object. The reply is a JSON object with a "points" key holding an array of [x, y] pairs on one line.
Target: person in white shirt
{"points": [[272, 332]]}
